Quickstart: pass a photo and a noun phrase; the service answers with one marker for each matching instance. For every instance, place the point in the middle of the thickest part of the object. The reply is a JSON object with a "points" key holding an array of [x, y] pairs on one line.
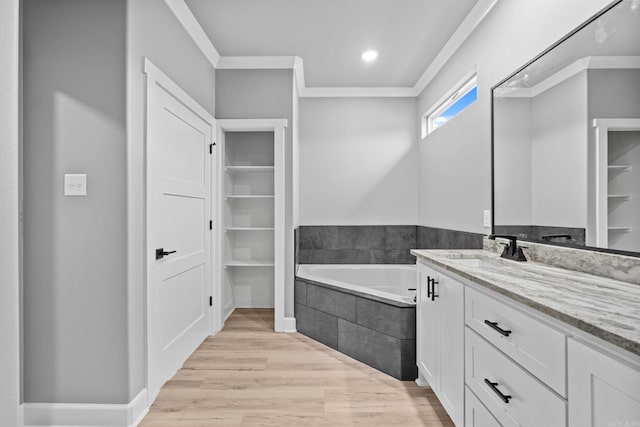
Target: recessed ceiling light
{"points": [[369, 55]]}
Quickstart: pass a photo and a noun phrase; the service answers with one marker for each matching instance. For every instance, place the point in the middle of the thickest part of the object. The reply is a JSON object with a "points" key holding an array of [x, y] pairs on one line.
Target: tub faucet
{"points": [[511, 251]]}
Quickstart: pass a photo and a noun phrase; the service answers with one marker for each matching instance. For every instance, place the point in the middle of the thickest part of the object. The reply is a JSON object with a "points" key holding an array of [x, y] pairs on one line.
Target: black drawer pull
{"points": [[494, 386], [434, 282], [428, 286], [495, 327]]}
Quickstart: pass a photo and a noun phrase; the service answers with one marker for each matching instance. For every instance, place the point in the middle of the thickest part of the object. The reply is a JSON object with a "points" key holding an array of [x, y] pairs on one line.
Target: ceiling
{"points": [[330, 35]]}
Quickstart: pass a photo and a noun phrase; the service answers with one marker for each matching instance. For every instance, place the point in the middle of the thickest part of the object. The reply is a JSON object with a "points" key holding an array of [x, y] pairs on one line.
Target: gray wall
{"points": [[455, 163], [358, 161], [512, 151], [75, 324], [559, 137], [264, 94], [84, 113], [9, 249], [155, 33]]}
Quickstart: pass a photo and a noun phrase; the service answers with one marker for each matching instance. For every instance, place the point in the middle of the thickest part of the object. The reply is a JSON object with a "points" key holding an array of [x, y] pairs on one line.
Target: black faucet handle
{"points": [[511, 251]]}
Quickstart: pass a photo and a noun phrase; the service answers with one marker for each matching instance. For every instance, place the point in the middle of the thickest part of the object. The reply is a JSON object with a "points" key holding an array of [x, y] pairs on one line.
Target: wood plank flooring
{"points": [[247, 375]]}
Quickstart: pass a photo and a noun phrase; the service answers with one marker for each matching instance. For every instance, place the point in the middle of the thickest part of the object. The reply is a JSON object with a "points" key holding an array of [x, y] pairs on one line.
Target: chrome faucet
{"points": [[511, 251]]}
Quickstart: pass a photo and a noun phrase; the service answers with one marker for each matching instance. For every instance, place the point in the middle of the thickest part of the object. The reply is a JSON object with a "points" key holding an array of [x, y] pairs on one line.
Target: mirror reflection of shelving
{"points": [[248, 215], [623, 201]]}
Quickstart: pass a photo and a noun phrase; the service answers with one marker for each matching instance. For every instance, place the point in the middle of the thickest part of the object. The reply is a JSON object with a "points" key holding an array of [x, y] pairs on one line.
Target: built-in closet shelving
{"points": [[251, 214], [617, 191], [623, 209]]}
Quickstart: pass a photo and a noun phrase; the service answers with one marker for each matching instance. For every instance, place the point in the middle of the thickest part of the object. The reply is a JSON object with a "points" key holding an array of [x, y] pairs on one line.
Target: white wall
{"points": [[455, 163], [155, 33], [559, 154], [9, 249], [358, 161]]}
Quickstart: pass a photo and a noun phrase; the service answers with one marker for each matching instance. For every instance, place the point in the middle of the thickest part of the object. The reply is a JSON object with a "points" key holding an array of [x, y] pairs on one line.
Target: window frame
{"points": [[460, 90]]}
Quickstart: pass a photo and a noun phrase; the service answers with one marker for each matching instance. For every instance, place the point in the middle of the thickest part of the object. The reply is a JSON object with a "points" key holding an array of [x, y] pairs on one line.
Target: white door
{"points": [[179, 237]]}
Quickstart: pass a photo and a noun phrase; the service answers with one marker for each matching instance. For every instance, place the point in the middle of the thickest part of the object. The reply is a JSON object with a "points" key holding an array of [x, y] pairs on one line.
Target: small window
{"points": [[465, 95]]}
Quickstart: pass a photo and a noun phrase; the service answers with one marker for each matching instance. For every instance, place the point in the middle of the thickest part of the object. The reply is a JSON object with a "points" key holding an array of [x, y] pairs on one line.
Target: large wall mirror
{"points": [[566, 139]]}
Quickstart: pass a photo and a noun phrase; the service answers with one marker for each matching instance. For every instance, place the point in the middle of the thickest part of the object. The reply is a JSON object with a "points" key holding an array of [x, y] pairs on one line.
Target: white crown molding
{"points": [[191, 25], [358, 92], [86, 414], [257, 62], [470, 23], [582, 64]]}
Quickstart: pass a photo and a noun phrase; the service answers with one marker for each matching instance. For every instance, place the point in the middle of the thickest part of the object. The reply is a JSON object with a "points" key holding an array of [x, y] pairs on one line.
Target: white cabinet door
{"points": [[440, 338], [450, 297], [427, 329], [602, 391], [476, 415]]}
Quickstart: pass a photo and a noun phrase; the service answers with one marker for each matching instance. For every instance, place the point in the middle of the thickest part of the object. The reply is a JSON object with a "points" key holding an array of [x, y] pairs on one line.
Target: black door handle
{"points": [[161, 253], [428, 286], [495, 327], [494, 386]]}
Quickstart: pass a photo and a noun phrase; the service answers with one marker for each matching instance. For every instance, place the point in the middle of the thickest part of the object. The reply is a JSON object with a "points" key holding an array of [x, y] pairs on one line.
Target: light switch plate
{"points": [[75, 184], [486, 218]]}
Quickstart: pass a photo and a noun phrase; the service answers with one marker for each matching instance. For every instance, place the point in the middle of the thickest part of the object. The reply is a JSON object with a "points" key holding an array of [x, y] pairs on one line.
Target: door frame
{"points": [[277, 126], [156, 80], [602, 128]]}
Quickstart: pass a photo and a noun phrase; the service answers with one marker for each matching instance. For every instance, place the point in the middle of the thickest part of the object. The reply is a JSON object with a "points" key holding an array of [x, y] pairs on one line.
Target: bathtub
{"points": [[391, 282], [366, 311]]}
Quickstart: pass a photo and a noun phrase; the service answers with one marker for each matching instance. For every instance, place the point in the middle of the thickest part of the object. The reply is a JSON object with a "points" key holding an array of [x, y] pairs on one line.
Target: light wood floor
{"points": [[247, 375]]}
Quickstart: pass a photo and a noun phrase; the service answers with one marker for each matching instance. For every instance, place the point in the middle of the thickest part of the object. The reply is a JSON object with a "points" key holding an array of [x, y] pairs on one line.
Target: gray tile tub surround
{"points": [[443, 238], [356, 244], [377, 333]]}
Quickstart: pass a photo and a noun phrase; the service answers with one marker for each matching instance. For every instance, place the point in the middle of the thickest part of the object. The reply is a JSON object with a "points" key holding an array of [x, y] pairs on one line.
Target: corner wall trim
{"points": [[86, 414], [289, 325]]}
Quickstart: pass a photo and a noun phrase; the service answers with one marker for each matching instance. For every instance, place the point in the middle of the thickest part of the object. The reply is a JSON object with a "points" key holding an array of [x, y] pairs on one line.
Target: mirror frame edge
{"points": [[494, 87]]}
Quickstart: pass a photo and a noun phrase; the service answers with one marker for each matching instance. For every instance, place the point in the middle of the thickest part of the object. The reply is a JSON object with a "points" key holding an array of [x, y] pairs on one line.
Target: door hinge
{"points": [[211, 147], [211, 225], [210, 301]]}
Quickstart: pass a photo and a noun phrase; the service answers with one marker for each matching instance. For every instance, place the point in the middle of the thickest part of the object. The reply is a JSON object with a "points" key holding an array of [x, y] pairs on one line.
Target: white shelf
{"points": [[620, 229], [249, 229], [619, 196], [249, 264], [619, 168], [249, 169], [264, 197]]}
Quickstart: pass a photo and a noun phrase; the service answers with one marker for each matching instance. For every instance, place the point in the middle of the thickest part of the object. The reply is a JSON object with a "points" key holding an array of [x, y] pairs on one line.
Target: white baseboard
{"points": [[421, 381], [86, 414], [227, 310], [290, 324]]}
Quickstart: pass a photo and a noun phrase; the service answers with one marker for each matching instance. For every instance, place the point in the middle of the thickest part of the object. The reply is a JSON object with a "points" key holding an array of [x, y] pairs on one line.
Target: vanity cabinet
{"points": [[440, 337], [604, 390], [520, 366]]}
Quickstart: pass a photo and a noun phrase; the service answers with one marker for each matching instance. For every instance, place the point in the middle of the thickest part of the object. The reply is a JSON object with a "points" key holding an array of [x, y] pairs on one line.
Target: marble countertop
{"points": [[606, 308]]}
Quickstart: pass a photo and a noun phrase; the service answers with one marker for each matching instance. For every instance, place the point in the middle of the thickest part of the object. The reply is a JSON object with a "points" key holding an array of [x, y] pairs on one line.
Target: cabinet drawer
{"points": [[511, 394], [534, 345], [475, 413]]}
